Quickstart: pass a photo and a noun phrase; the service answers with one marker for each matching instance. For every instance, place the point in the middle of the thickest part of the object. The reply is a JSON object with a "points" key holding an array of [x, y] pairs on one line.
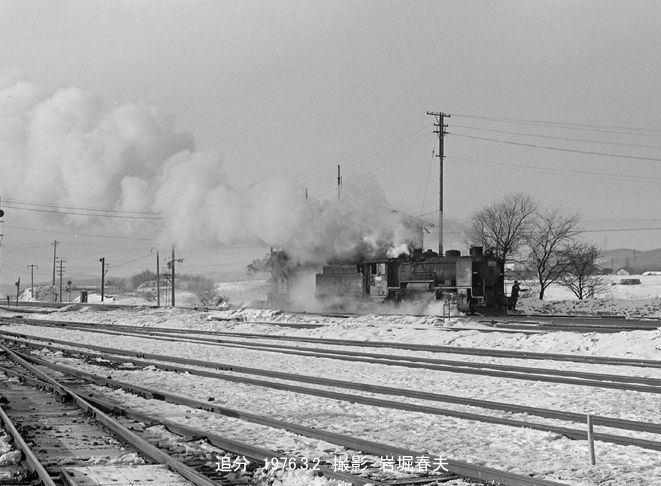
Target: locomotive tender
{"points": [[475, 281]]}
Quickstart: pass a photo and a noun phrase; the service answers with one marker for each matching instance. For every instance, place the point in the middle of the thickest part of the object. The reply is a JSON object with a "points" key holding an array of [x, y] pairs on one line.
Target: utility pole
{"points": [[339, 182], [172, 263], [31, 267], [103, 276], [62, 262], [55, 243], [158, 281], [2, 225], [440, 124]]}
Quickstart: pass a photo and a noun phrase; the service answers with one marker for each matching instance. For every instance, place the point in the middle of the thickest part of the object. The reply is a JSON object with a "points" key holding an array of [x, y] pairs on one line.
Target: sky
{"points": [[130, 126]]}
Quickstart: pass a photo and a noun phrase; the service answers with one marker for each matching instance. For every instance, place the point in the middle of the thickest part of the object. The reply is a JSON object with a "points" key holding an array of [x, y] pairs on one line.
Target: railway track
{"points": [[549, 322], [78, 448], [522, 323], [62, 441], [456, 468], [255, 338], [166, 363], [198, 337], [600, 380], [582, 324]]}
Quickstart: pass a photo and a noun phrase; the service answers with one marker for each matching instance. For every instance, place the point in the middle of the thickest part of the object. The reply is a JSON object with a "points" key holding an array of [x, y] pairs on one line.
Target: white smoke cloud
{"points": [[71, 148]]}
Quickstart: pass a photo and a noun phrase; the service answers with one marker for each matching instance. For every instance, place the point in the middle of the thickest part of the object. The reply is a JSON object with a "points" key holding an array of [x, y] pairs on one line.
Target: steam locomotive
{"points": [[475, 281]]}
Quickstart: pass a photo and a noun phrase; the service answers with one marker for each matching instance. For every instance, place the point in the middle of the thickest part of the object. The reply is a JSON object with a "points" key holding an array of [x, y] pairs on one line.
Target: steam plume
{"points": [[71, 148]]}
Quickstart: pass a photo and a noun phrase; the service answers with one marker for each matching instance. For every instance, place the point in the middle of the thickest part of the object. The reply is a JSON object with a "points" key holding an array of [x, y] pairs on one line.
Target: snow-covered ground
{"points": [[519, 450], [643, 299]]}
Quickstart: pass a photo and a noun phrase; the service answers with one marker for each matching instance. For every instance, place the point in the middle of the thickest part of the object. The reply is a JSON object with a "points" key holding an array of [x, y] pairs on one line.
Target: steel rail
{"points": [[276, 374], [645, 363], [540, 412], [148, 450], [592, 320], [253, 452], [381, 344], [258, 454], [509, 317], [509, 326], [393, 360], [567, 416], [458, 350], [487, 404], [34, 466], [458, 467], [587, 323]]}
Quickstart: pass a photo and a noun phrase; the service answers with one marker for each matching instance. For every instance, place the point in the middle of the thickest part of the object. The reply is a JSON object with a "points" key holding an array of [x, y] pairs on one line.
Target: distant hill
{"points": [[636, 260]]}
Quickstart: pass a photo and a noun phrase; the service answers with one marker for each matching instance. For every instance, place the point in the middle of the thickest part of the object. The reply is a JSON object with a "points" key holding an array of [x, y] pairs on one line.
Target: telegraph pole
{"points": [[440, 124], [339, 182], [158, 281], [103, 276], [172, 262], [2, 225], [55, 243], [62, 262], [31, 267]]}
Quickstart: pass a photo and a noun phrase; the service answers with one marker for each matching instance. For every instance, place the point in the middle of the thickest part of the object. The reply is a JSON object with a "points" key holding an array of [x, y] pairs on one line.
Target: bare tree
{"points": [[204, 288], [504, 226], [260, 265], [583, 277], [550, 233]]}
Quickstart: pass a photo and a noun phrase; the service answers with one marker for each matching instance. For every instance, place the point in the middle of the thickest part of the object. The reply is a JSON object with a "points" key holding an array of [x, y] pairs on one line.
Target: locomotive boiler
{"points": [[474, 281]]}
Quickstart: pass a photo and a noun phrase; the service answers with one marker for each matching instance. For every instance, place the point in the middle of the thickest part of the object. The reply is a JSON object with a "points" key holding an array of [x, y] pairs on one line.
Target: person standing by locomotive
{"points": [[514, 295]]}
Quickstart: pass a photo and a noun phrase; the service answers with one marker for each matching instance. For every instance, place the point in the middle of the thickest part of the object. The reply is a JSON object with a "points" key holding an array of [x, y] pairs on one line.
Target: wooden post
{"points": [[591, 440]]}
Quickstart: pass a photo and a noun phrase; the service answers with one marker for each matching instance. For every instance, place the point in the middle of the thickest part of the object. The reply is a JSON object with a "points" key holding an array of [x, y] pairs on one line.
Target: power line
{"points": [[81, 208], [76, 234], [573, 126], [132, 260], [558, 170], [95, 215], [613, 230], [369, 144], [616, 220], [395, 147], [587, 152], [424, 194], [568, 139]]}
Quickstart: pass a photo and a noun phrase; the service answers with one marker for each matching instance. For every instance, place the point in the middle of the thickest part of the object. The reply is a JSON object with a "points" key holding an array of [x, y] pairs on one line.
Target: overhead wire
{"points": [[76, 233], [568, 139], [90, 214], [556, 170], [365, 145], [81, 208], [644, 131], [424, 194], [618, 230], [561, 149], [395, 148], [396, 143]]}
